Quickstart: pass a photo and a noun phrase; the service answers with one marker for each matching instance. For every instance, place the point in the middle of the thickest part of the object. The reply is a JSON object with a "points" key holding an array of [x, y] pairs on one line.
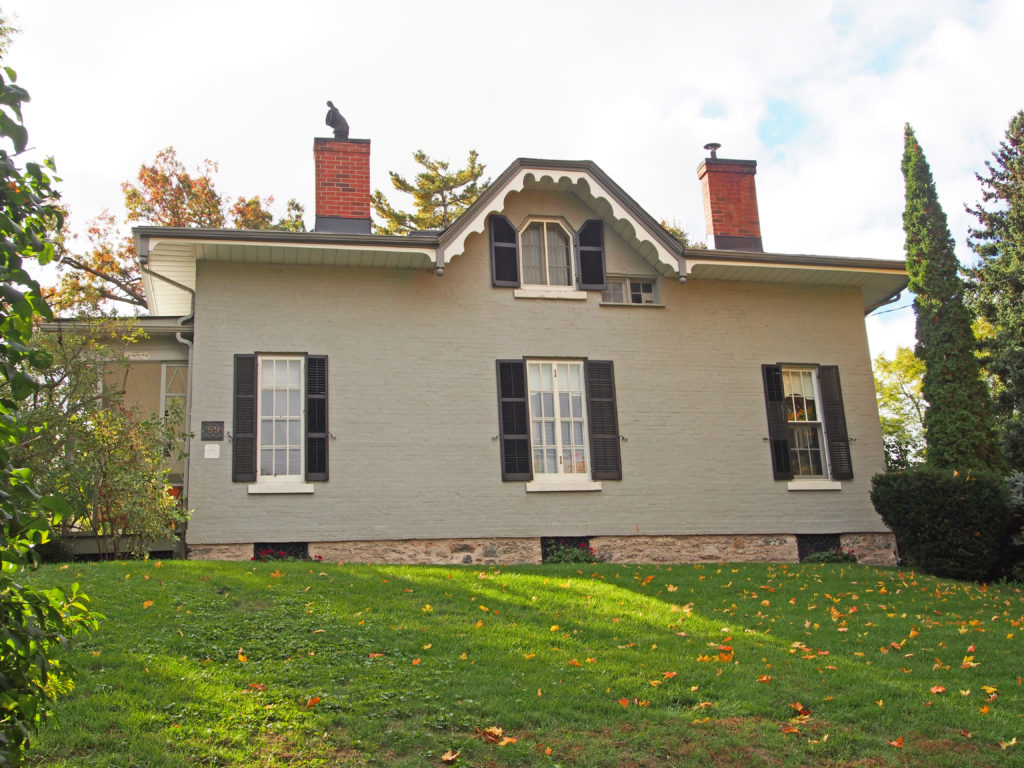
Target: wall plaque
{"points": [[212, 430]]}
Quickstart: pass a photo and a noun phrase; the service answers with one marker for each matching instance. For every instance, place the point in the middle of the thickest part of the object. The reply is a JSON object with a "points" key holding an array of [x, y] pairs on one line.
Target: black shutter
{"points": [[513, 422], [834, 418], [605, 458], [243, 427], [316, 417], [778, 429], [591, 255], [504, 252]]}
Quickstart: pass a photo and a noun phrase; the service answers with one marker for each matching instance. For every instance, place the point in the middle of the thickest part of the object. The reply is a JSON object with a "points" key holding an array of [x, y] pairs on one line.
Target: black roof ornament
{"points": [[712, 147], [337, 122]]}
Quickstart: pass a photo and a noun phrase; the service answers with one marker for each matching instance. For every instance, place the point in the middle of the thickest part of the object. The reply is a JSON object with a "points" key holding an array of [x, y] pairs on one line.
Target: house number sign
{"points": [[212, 430]]}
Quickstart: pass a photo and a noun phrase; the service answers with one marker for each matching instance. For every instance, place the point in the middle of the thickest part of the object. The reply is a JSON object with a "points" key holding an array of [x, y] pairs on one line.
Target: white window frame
{"points": [[804, 480], [279, 480], [625, 286], [547, 286], [559, 480]]}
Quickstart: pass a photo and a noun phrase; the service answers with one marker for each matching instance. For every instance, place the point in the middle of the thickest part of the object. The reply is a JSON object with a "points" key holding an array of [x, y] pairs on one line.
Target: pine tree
{"points": [[996, 290], [440, 195], [959, 424]]}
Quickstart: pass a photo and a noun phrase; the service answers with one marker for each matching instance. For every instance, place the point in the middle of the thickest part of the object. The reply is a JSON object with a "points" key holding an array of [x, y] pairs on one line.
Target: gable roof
{"points": [[168, 255]]}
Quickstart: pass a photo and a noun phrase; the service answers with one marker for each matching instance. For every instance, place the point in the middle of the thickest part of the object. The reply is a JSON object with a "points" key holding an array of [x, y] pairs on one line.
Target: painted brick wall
{"points": [[413, 401]]}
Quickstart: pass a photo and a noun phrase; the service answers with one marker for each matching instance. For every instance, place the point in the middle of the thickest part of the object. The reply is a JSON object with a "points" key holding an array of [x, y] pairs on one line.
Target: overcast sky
{"points": [[817, 92]]}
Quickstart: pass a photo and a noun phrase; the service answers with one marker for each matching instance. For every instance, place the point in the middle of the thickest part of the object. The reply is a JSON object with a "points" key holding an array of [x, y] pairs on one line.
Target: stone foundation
{"points": [[871, 548], [220, 552], [696, 549], [431, 551]]}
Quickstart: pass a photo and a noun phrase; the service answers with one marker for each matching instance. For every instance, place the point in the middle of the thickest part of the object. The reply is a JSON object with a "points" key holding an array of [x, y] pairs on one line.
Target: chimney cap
{"points": [[713, 147]]}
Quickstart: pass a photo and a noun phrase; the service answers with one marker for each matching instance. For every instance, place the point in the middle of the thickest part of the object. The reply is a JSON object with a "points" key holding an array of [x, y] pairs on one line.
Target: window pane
{"points": [[533, 375], [563, 404], [293, 461], [294, 431], [577, 432], [546, 379], [267, 431], [533, 255], [566, 433], [281, 432], [281, 403], [549, 433], [535, 408], [266, 462], [294, 368], [281, 373], [558, 256], [294, 402], [549, 403], [267, 402], [577, 406], [267, 378], [280, 460], [576, 377]]}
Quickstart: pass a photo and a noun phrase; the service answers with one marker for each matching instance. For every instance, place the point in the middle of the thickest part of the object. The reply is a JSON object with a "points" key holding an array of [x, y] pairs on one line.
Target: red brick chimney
{"points": [[342, 185], [730, 202]]}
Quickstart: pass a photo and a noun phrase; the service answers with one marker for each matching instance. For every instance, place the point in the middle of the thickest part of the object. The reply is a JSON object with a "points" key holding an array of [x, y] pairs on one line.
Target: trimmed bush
{"points": [[946, 523]]}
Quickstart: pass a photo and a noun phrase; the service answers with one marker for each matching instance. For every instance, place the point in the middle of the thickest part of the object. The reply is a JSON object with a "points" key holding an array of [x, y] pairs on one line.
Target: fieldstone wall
{"points": [[871, 548], [220, 552], [696, 549], [431, 551]]}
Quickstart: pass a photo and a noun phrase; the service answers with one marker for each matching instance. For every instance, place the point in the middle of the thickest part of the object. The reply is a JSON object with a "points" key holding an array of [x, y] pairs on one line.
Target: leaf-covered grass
{"points": [[309, 664]]}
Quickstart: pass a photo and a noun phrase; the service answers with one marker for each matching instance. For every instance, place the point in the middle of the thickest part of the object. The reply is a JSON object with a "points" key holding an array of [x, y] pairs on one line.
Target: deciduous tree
{"points": [[165, 194], [34, 623], [997, 283], [959, 425], [901, 407], [440, 195]]}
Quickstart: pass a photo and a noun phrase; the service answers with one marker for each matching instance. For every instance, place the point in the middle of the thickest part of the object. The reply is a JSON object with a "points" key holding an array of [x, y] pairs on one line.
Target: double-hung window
{"points": [[806, 422], [558, 423], [279, 435], [630, 290]]}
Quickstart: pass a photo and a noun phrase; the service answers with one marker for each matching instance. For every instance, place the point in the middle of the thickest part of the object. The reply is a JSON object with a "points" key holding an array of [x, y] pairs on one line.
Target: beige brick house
{"points": [[552, 364]]}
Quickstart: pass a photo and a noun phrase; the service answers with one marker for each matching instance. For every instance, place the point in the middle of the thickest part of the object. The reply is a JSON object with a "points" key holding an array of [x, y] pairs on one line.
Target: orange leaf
{"points": [[547, 751], [479, 624], [415, 662], [937, 689], [242, 657], [624, 702], [670, 674], [258, 686], [764, 678], [983, 710], [312, 701], [790, 729], [574, 663], [898, 743], [376, 655], [449, 756], [147, 604]]}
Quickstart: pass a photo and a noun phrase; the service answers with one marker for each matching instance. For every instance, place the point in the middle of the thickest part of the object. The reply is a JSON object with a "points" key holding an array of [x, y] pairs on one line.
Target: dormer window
{"points": [[546, 258], [547, 254]]}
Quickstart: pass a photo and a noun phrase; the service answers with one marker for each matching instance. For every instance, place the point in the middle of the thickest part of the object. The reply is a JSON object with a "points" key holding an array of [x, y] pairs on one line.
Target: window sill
{"points": [[547, 486], [631, 304], [547, 293], [814, 485], [281, 488]]}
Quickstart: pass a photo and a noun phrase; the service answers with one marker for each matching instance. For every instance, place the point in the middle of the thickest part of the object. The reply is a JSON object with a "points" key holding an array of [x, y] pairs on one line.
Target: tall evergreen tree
{"points": [[959, 425], [996, 290], [439, 194]]}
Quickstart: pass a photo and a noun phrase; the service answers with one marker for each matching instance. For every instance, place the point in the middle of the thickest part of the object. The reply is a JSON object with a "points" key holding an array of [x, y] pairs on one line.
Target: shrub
{"points": [[568, 549], [831, 556], [947, 523]]}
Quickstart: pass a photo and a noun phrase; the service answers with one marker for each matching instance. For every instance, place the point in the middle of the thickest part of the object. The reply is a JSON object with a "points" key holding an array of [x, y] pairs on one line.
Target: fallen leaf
{"points": [[539, 693], [667, 675], [312, 701], [428, 608], [547, 750], [258, 686], [937, 689], [624, 702], [764, 678], [966, 734], [376, 655], [1008, 744], [415, 662], [554, 627], [790, 729], [242, 657], [484, 608], [428, 646], [147, 604], [449, 756], [479, 624], [898, 743]]}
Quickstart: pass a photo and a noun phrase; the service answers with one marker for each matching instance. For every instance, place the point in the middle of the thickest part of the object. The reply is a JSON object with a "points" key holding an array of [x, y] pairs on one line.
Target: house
{"points": [[552, 364]]}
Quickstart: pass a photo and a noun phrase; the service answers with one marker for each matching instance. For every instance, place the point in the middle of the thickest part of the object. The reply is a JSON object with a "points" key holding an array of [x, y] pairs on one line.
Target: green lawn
{"points": [[309, 664]]}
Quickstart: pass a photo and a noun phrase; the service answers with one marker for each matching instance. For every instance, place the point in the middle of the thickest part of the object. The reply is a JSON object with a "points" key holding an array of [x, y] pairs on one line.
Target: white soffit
{"points": [[581, 184], [877, 284]]}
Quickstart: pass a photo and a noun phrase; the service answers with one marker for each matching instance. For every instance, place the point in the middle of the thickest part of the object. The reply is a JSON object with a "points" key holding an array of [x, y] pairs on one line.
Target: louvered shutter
{"points": [[513, 421], [778, 429], [243, 438], [316, 417], [834, 418], [605, 457], [591, 256], [504, 252]]}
